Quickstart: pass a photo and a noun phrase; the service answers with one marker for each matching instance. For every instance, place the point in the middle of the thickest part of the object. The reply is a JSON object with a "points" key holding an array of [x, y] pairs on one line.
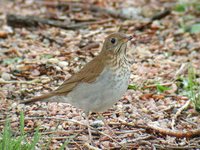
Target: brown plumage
{"points": [[90, 71], [100, 83], [86, 74]]}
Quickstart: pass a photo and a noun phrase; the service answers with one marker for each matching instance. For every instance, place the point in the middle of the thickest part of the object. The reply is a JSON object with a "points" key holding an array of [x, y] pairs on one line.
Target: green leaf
{"points": [[47, 56], [6, 136], [161, 88], [11, 60], [196, 102], [22, 123], [195, 28], [8, 141], [35, 139], [132, 87], [181, 7]]}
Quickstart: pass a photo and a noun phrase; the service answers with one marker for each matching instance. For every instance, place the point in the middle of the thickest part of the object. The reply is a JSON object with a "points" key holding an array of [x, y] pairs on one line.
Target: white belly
{"points": [[101, 94]]}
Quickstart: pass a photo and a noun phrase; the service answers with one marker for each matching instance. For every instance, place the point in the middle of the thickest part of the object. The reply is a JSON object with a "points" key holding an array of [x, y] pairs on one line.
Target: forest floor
{"points": [[36, 58]]}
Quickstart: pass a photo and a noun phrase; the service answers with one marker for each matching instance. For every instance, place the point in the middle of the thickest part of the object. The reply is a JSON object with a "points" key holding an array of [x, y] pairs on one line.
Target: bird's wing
{"points": [[87, 74]]}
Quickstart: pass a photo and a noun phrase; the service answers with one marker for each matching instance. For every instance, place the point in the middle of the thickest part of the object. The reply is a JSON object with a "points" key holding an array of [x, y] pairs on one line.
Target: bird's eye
{"points": [[113, 40]]}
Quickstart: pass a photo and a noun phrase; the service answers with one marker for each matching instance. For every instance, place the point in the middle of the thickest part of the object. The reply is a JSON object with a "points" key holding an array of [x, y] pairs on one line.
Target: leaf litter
{"points": [[37, 59]]}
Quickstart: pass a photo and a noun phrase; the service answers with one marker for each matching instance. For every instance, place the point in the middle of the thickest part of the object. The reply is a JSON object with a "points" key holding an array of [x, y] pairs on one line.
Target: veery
{"points": [[100, 83]]}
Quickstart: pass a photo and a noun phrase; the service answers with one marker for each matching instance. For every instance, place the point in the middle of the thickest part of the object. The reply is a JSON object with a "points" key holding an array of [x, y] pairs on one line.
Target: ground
{"points": [[37, 59]]}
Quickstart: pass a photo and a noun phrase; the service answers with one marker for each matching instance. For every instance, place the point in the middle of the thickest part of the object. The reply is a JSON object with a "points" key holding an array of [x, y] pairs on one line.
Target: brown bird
{"points": [[100, 83]]}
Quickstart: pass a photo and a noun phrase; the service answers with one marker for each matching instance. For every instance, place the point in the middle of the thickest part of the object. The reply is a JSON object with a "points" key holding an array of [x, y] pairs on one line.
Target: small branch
{"points": [[161, 15], [178, 134], [183, 68], [19, 82], [175, 147], [34, 21], [131, 124], [61, 132], [155, 85], [185, 106], [141, 138], [164, 131], [55, 118]]}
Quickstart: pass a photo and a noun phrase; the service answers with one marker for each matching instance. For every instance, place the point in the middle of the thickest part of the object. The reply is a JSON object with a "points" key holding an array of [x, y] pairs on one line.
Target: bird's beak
{"points": [[127, 38]]}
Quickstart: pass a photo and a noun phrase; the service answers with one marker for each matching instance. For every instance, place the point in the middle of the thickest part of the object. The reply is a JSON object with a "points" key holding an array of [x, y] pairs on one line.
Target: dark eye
{"points": [[113, 40]]}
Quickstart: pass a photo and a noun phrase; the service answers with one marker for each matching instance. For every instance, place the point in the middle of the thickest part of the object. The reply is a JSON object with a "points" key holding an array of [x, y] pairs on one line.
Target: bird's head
{"points": [[116, 43]]}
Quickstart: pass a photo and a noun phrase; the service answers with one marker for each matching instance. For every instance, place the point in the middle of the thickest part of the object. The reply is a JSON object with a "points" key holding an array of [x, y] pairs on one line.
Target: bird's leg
{"points": [[89, 130], [87, 114], [105, 123]]}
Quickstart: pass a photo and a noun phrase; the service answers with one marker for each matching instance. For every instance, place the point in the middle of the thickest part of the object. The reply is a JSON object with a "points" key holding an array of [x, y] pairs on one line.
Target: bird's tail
{"points": [[38, 98]]}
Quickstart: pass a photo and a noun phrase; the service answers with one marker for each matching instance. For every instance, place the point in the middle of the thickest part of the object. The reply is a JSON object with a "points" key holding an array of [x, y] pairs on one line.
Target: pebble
{"points": [[46, 42], [53, 60], [13, 105], [156, 25], [60, 127], [8, 29], [63, 64], [97, 123], [6, 76]]}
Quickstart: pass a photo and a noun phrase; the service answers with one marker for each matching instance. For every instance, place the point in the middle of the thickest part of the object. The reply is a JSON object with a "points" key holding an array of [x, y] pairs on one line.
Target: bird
{"points": [[100, 83]]}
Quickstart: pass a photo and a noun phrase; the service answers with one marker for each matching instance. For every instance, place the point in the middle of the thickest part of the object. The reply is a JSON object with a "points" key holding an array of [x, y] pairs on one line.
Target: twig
{"points": [[177, 147], [179, 134], [34, 21], [55, 118], [185, 106], [60, 132], [161, 15], [51, 118], [181, 70], [141, 138], [164, 131], [155, 85], [19, 82], [131, 124]]}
